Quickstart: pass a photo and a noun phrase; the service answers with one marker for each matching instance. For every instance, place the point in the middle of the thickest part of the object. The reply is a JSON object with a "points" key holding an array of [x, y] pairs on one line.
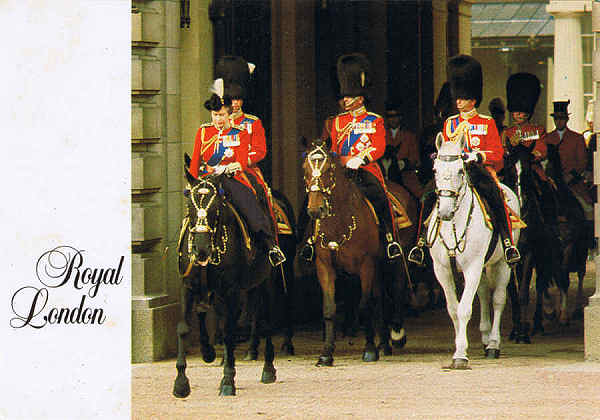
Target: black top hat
{"points": [[560, 108], [353, 75], [523, 91], [466, 78], [235, 73]]}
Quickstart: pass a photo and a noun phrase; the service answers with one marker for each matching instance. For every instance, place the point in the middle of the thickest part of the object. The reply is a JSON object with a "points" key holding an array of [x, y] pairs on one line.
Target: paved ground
{"points": [[547, 379]]}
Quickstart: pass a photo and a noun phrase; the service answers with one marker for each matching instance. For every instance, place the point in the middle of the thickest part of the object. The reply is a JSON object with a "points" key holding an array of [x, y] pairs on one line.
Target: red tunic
{"points": [[528, 134], [359, 134], [482, 136], [258, 142], [221, 148]]}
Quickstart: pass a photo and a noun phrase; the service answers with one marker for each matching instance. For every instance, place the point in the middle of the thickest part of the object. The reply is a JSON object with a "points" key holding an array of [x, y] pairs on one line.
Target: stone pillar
{"points": [[592, 311], [550, 96], [464, 26], [568, 60], [171, 70], [293, 93], [440, 44]]}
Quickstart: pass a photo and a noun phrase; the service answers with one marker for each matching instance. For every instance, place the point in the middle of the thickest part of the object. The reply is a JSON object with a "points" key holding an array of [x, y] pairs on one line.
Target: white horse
{"points": [[459, 239]]}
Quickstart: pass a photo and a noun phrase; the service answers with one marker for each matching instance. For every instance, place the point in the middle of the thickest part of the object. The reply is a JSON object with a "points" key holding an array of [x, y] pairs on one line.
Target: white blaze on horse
{"points": [[461, 241]]}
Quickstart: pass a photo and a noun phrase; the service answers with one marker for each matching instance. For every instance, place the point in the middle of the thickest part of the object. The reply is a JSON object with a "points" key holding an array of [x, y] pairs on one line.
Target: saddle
{"points": [[515, 221], [401, 219], [284, 227]]}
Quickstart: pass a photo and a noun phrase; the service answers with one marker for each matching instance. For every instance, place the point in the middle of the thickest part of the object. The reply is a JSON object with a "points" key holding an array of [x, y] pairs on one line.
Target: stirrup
{"points": [[392, 249], [511, 253], [276, 256], [416, 255], [307, 251]]}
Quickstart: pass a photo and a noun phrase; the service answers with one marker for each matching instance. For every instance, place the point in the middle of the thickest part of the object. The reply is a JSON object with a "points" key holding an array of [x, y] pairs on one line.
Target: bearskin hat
{"points": [[235, 72], [353, 75], [444, 105], [466, 78], [522, 91]]}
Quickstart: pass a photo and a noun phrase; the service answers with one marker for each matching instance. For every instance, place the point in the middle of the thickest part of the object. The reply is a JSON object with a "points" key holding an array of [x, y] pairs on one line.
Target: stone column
{"points": [[592, 311], [464, 26], [293, 93], [568, 60], [440, 44]]}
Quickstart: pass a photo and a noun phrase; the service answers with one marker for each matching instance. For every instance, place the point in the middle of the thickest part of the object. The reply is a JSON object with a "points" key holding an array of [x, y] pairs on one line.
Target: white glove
{"points": [[219, 169], [354, 163], [232, 168], [471, 157]]}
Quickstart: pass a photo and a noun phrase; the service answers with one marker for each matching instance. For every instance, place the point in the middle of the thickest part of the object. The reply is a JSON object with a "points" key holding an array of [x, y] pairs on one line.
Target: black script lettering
{"points": [[37, 305], [78, 315], [95, 276], [54, 267]]}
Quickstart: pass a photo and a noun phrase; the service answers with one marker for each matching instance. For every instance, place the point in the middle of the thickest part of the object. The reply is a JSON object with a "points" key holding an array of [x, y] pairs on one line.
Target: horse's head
{"points": [[204, 202], [450, 177], [319, 178]]}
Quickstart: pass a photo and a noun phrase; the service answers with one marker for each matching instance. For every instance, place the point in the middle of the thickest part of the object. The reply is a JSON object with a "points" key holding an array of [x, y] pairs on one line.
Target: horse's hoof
{"points": [[492, 353], [325, 360], [288, 349], [577, 314], [398, 342], [251, 355], [523, 338], [268, 376], [227, 387], [513, 334], [181, 389], [209, 354], [370, 356], [460, 364]]}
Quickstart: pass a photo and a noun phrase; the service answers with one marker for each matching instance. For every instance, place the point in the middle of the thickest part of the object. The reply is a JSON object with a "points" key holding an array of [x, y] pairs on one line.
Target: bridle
{"points": [[316, 161]]}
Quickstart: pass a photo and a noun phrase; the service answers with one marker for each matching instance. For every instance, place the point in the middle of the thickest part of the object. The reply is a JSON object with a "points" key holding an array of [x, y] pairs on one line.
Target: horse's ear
{"points": [[187, 160], [439, 140], [191, 178]]}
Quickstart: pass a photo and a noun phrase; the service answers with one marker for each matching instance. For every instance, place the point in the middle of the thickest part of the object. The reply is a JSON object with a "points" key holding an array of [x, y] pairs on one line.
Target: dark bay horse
{"points": [[536, 200], [217, 262], [347, 239]]}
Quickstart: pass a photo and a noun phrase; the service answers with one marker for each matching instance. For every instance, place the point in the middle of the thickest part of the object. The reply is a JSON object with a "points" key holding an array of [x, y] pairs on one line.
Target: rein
{"points": [[316, 161]]}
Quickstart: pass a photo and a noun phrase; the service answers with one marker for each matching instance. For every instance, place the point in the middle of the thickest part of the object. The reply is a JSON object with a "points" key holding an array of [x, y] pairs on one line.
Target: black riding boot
{"points": [[417, 253], [305, 231], [275, 254], [372, 189], [488, 189]]}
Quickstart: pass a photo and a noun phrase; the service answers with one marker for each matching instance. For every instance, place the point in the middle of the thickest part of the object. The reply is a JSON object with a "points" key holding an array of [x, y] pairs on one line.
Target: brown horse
{"points": [[346, 237]]}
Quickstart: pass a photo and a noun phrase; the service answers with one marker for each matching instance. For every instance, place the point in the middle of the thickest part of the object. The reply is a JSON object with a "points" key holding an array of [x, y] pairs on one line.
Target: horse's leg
{"points": [[525, 277], [501, 275], [227, 386], [398, 291], [580, 299], [208, 350], [513, 294], [181, 388], [465, 309], [446, 280], [326, 276], [367, 307], [288, 292], [269, 373], [253, 309], [485, 324]]}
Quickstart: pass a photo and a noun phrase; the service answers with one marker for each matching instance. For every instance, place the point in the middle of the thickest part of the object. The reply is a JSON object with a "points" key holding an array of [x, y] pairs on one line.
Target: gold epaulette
{"points": [[252, 117], [485, 117], [208, 124]]}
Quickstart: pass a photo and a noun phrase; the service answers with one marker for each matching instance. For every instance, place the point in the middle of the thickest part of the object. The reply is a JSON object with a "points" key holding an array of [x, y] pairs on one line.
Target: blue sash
{"points": [[353, 138], [219, 153]]}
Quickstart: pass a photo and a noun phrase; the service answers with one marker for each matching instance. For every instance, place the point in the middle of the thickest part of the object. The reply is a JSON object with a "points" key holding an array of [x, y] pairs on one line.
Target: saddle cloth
{"points": [[515, 220], [284, 227], [401, 219]]}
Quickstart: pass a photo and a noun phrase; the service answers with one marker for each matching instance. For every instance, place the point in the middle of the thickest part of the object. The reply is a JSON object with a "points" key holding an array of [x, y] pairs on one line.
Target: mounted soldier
{"points": [[223, 148], [567, 159], [483, 153], [358, 138], [236, 72]]}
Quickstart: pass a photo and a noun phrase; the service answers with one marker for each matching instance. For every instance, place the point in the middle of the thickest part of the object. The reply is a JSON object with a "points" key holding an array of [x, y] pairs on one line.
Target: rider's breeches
{"points": [[262, 195], [369, 185], [487, 186], [246, 202]]}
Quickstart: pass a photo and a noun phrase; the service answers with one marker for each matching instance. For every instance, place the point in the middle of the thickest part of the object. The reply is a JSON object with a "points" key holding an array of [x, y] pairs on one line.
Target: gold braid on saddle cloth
{"points": [[400, 216], [515, 221]]}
